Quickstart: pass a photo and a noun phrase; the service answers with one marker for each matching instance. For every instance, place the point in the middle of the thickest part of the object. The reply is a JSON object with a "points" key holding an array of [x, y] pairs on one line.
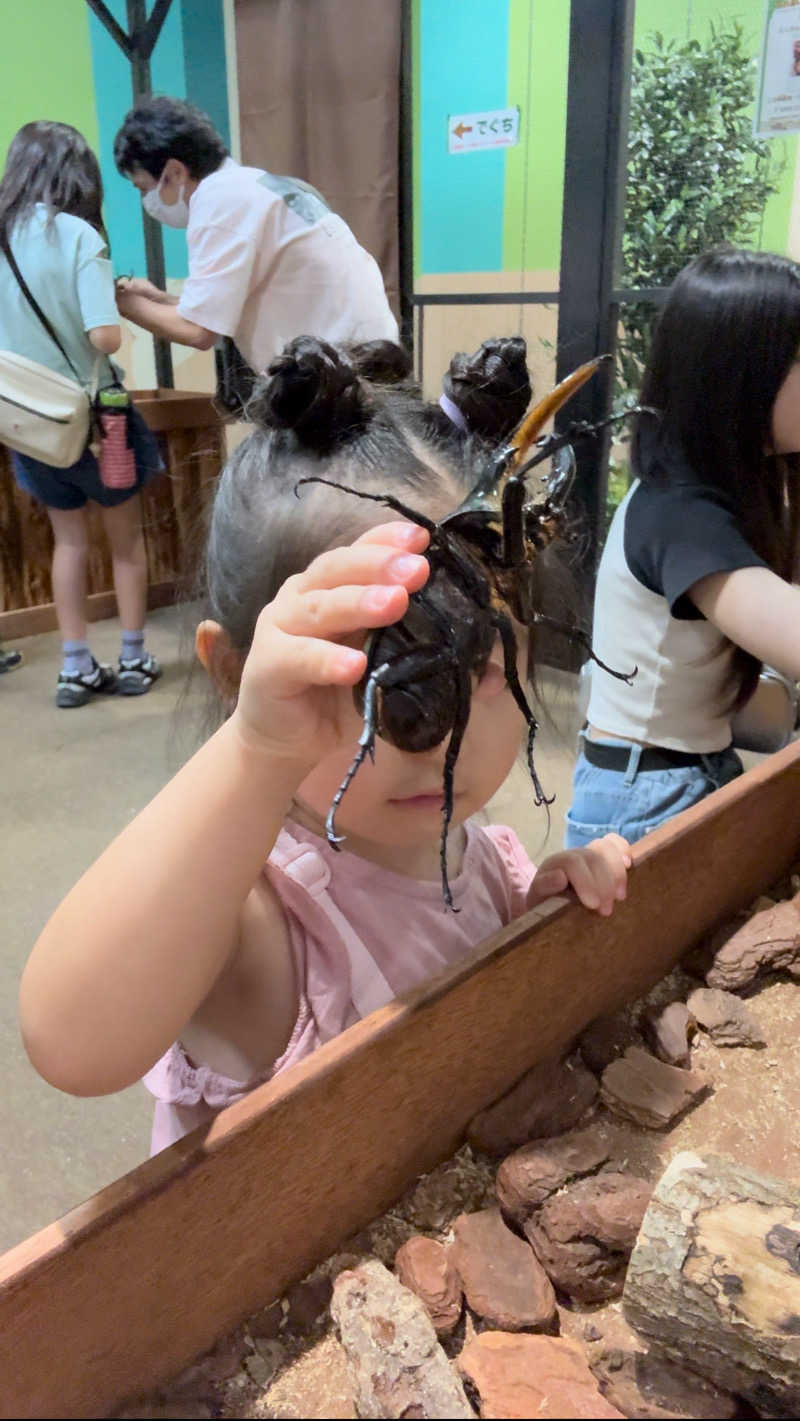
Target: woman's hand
{"points": [[597, 874], [307, 641]]}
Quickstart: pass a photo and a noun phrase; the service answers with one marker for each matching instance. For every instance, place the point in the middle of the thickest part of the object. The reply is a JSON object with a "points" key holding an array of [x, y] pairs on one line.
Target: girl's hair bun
{"points": [[492, 388], [381, 361], [312, 389]]}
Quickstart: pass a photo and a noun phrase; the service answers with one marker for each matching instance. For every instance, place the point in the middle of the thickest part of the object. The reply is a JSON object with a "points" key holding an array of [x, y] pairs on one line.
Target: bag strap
{"points": [[31, 299]]}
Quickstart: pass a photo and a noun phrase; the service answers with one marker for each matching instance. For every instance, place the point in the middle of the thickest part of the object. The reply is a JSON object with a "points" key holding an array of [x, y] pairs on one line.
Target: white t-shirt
{"points": [[268, 261], [663, 540]]}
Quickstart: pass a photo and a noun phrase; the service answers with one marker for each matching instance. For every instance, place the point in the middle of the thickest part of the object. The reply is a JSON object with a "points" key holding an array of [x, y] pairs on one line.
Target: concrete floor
{"points": [[71, 781]]}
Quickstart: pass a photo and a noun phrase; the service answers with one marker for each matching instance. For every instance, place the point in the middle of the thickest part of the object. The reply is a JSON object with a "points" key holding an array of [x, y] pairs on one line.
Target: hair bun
{"points": [[382, 361], [312, 389], [492, 388]]}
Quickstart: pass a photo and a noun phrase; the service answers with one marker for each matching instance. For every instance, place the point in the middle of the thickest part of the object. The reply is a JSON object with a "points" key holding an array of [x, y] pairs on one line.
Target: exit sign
{"points": [[496, 128]]}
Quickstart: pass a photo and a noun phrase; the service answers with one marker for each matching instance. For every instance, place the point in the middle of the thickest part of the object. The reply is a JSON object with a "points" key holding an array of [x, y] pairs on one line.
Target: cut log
{"points": [[714, 1279]]}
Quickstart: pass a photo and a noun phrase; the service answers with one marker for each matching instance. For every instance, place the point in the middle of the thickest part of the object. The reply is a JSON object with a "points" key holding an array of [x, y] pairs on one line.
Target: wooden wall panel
{"points": [[124, 1291]]}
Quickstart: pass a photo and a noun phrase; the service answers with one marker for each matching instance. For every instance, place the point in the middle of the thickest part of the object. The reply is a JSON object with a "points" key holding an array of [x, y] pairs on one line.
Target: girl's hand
{"points": [[308, 640], [596, 874]]}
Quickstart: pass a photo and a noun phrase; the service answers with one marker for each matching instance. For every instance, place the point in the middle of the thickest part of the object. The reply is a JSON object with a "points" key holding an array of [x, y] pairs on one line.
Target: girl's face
{"points": [[786, 413], [397, 801]]}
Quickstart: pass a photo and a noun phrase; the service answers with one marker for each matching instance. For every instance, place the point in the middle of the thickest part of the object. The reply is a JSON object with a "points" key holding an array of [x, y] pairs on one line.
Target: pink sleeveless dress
{"points": [[360, 936]]}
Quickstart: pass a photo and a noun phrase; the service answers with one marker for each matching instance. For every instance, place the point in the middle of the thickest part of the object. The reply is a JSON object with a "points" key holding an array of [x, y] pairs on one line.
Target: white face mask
{"points": [[175, 216]]}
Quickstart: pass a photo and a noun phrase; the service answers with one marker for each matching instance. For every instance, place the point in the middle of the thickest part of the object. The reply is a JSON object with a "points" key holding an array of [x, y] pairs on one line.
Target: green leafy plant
{"points": [[696, 174]]}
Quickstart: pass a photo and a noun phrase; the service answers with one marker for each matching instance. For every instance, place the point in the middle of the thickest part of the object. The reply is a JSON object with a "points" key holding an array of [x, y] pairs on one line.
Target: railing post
{"points": [[594, 187]]}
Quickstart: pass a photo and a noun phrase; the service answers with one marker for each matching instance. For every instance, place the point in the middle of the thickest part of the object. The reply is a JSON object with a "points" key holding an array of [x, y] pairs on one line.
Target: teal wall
{"points": [[188, 62], [462, 69]]}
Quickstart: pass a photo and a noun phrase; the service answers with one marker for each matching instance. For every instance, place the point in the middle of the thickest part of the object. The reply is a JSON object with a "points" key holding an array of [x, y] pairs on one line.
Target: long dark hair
{"points": [[727, 337], [51, 163]]}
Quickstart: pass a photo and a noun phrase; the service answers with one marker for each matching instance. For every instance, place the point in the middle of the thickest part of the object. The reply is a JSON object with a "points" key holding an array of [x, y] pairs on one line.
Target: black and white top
{"points": [[662, 540]]}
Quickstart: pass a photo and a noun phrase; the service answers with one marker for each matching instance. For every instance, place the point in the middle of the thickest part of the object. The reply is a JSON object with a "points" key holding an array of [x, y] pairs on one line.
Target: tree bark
{"points": [[714, 1279]]}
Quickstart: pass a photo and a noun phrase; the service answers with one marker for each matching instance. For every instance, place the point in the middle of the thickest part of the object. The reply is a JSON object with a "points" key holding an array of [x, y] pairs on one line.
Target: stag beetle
{"points": [[417, 687]]}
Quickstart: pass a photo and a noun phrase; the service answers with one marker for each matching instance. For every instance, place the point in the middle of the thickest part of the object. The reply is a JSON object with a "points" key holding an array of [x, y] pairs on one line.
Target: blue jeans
{"points": [[633, 802]]}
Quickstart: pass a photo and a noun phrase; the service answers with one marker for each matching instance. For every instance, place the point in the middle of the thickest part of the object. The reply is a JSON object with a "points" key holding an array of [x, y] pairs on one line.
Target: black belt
{"points": [[616, 757]]}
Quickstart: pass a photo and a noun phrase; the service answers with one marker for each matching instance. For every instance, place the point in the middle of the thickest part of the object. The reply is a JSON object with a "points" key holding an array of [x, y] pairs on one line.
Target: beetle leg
{"points": [[463, 707], [509, 642], [514, 495], [366, 746], [575, 634], [421, 664]]}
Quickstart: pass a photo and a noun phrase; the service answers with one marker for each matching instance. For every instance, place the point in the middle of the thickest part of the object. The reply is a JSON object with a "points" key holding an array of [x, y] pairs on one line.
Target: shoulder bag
{"points": [[43, 414]]}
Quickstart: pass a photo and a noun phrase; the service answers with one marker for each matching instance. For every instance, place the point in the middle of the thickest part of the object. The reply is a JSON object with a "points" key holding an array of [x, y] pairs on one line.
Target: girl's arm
{"points": [[756, 610], [133, 950], [106, 339], [598, 874], [139, 943]]}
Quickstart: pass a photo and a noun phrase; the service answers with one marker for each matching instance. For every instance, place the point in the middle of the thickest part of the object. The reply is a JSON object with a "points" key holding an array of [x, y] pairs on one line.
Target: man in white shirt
{"points": [[268, 259]]}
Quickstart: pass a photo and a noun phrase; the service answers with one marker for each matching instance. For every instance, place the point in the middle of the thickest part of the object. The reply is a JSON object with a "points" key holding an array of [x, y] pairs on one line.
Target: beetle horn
{"points": [[484, 503], [533, 423]]}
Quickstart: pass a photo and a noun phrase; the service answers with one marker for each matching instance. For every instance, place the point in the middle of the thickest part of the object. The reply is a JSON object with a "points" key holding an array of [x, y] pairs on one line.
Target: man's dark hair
{"points": [[159, 128]]}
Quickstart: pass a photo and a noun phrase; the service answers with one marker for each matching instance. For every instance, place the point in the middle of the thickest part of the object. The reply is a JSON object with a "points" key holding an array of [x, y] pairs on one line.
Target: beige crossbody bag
{"points": [[43, 414]]}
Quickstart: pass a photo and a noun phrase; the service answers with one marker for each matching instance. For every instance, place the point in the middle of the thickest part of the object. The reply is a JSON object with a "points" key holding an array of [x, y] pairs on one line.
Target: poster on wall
{"points": [[778, 105]]}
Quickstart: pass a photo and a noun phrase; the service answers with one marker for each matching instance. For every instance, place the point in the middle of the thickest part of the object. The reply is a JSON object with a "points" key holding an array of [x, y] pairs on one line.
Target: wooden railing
{"points": [[124, 1291]]}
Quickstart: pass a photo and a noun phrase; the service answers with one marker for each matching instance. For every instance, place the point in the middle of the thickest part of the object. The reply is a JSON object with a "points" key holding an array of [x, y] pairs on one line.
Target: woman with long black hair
{"points": [[51, 197], [695, 585]]}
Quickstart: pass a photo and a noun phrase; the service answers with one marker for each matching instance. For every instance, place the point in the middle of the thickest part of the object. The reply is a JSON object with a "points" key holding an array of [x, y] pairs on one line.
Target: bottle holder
{"points": [[117, 460]]}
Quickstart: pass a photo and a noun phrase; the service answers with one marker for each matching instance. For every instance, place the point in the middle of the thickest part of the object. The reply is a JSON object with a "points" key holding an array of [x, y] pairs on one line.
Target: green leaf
{"points": [[696, 174]]}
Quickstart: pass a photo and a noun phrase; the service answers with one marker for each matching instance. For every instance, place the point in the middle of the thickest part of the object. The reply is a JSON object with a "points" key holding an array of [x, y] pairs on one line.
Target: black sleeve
{"points": [[675, 536]]}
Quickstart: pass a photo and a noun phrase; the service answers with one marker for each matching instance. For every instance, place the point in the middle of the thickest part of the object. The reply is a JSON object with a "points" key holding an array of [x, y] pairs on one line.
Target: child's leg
{"points": [[123, 526], [80, 676], [70, 560]]}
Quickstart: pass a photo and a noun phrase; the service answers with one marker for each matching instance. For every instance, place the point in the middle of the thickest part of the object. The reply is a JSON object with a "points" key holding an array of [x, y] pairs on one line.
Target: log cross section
{"points": [[714, 1279]]}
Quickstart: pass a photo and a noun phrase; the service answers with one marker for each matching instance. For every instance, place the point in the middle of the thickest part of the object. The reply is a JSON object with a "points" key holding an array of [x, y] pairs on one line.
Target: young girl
{"points": [[220, 927], [694, 586], [51, 197]]}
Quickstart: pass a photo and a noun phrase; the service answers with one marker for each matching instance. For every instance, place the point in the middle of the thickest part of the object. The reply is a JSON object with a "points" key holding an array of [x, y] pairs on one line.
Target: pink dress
{"points": [[360, 935]]}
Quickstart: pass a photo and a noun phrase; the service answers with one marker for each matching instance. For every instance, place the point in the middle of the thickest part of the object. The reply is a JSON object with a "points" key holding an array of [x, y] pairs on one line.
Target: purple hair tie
{"points": [[453, 413]]}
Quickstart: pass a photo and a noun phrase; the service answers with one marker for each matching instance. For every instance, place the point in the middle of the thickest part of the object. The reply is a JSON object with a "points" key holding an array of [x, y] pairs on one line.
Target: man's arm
{"points": [[161, 319], [140, 286]]}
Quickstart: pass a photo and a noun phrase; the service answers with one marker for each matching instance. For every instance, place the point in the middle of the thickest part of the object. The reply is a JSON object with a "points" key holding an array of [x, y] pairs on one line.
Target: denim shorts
{"points": [[75, 486], [632, 802]]}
